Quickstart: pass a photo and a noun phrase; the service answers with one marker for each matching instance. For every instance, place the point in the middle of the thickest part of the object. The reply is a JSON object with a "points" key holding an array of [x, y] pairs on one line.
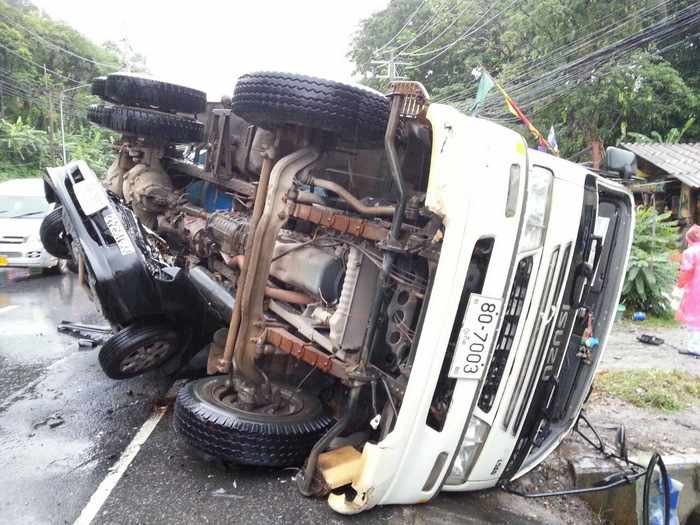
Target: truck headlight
{"points": [[466, 455], [539, 188]]}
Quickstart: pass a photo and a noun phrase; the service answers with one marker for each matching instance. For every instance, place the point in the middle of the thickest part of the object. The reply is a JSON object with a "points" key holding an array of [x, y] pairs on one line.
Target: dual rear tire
{"points": [[145, 107]]}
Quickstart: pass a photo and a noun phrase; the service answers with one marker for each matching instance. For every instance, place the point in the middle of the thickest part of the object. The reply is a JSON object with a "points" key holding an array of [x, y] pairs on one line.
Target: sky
{"points": [[207, 44]]}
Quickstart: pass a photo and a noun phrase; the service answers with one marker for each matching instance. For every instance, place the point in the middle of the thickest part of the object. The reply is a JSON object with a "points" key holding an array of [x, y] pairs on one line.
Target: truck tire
{"points": [[132, 90], [53, 235], [98, 87], [208, 421], [352, 112], [144, 122], [137, 349]]}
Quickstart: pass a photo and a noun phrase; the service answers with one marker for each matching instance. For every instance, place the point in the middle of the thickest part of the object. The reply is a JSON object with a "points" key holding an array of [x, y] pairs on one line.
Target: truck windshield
{"points": [[14, 207]]}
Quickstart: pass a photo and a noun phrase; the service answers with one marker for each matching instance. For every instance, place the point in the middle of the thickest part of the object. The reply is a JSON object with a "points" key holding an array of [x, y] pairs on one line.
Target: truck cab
{"points": [[531, 267]]}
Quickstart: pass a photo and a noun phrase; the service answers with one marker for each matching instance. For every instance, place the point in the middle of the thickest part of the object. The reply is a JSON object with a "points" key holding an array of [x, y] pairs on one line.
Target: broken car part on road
{"points": [[399, 296]]}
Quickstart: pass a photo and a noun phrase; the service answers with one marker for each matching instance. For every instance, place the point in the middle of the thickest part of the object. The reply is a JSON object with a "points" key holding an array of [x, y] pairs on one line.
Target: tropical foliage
{"points": [[673, 136], [39, 60], [651, 272], [544, 52], [26, 151]]}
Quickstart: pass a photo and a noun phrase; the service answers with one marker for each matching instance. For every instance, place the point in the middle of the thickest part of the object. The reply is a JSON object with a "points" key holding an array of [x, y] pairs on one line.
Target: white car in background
{"points": [[22, 208]]}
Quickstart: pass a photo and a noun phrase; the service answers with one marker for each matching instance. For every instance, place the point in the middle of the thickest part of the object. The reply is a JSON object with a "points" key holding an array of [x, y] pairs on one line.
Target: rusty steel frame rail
{"points": [[306, 352], [224, 364], [340, 222], [259, 258]]}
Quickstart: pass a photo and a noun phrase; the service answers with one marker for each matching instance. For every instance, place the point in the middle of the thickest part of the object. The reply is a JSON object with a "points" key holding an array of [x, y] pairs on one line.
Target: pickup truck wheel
{"points": [[354, 113], [147, 123], [136, 349], [53, 234], [209, 421], [132, 90]]}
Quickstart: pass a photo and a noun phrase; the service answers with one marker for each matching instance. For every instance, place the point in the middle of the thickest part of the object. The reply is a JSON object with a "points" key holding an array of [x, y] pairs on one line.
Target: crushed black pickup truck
{"points": [[399, 297]]}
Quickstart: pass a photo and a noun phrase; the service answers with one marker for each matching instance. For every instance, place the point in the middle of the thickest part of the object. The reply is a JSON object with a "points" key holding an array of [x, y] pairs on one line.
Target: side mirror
{"points": [[621, 161]]}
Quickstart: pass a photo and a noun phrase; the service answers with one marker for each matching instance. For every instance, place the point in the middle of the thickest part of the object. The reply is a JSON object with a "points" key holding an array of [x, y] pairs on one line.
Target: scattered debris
{"points": [[53, 421], [650, 340], [91, 335], [221, 493]]}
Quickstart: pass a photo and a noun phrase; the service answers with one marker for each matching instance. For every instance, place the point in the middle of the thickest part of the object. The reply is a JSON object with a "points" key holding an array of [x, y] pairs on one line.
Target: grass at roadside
{"points": [[658, 389], [667, 321]]}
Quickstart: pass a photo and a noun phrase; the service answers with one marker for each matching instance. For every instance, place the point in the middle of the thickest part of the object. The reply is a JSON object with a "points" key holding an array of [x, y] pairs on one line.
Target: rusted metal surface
{"points": [[234, 184], [292, 345], [225, 362], [415, 98], [216, 350], [259, 258], [353, 201], [220, 156], [340, 222]]}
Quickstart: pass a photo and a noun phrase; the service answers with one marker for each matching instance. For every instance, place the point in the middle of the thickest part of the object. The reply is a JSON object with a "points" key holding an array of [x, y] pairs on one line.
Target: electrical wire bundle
{"points": [[631, 474], [539, 82]]}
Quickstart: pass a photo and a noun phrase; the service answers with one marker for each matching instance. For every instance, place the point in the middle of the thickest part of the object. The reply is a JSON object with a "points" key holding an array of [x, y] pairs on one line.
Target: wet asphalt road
{"points": [[63, 424]]}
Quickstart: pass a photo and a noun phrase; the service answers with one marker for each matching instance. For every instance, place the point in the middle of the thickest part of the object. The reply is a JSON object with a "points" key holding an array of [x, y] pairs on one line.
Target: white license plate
{"points": [[91, 196], [116, 228], [476, 337]]}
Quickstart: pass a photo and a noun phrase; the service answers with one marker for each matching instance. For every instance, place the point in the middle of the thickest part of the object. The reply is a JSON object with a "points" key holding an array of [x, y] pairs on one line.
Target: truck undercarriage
{"points": [[299, 242]]}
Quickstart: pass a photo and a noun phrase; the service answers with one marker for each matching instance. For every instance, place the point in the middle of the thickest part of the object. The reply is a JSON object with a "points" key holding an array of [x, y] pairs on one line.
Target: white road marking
{"points": [[8, 308], [117, 470]]}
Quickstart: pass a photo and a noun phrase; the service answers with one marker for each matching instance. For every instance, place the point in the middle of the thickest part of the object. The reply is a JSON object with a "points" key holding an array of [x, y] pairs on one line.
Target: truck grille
{"points": [[473, 283], [509, 326]]}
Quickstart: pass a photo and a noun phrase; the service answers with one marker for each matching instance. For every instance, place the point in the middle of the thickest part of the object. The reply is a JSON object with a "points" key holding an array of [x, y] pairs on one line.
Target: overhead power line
{"points": [[555, 83], [40, 66], [406, 24], [455, 18], [469, 32], [52, 45], [561, 53], [429, 25]]}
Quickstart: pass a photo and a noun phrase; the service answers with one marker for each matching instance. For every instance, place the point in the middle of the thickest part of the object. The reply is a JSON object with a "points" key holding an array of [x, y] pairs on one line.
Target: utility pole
{"points": [[2, 102], [61, 98], [392, 67], [48, 94]]}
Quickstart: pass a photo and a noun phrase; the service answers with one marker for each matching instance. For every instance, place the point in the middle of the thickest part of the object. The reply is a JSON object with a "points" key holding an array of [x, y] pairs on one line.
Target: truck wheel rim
{"points": [[145, 356], [288, 403]]}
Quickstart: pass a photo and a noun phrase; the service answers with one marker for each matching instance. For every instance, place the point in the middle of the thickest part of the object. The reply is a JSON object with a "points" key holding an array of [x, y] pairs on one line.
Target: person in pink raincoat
{"points": [[689, 279]]}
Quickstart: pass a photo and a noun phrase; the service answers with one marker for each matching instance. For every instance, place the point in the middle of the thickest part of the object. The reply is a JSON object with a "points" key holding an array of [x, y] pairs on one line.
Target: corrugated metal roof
{"points": [[681, 161]]}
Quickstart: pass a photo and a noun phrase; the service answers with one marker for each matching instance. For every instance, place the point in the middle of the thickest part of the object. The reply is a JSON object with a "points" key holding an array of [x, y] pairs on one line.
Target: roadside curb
{"points": [[623, 505]]}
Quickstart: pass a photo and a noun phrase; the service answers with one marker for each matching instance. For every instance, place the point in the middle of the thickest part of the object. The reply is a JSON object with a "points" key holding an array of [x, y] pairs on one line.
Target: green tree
{"points": [[39, 58], [651, 272], [543, 52], [673, 136]]}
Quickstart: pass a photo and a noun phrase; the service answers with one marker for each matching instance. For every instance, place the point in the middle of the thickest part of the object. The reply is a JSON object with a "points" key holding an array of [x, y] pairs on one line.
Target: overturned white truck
{"points": [[401, 298]]}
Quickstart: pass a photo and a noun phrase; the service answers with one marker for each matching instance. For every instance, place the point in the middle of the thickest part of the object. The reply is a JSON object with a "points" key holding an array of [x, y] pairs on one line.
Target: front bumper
{"points": [[118, 275], [30, 254]]}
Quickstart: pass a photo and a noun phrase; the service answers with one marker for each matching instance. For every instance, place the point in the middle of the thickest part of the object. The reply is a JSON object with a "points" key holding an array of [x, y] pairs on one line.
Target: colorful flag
{"points": [[486, 83], [542, 143]]}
